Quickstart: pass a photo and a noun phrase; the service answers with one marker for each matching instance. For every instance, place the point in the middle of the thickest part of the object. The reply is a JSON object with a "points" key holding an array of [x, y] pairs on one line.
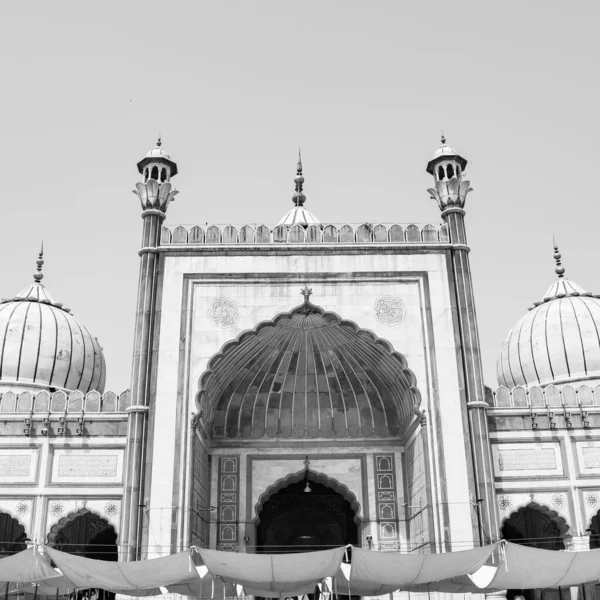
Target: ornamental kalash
{"points": [[301, 386]]}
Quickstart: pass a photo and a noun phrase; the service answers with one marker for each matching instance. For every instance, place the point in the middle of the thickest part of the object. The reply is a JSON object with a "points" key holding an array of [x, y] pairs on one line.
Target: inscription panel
{"points": [[588, 457], [18, 465], [87, 466], [537, 459]]}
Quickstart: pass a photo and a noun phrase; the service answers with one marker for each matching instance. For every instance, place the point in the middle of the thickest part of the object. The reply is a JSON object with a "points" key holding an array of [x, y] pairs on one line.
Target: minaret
{"points": [[155, 194], [450, 192]]}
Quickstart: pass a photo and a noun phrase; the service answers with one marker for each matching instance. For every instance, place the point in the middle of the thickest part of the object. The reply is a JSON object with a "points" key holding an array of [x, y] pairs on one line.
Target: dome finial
{"points": [[299, 198], [559, 270], [443, 139], [159, 141], [37, 277]]}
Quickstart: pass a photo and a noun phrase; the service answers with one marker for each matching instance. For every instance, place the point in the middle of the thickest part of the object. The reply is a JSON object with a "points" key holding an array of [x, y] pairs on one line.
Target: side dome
{"points": [[42, 345], [557, 341]]}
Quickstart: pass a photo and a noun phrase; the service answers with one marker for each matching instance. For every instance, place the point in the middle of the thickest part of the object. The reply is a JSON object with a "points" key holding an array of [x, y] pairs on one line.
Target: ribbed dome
{"points": [[557, 341], [158, 153], [43, 345], [308, 374], [299, 216]]}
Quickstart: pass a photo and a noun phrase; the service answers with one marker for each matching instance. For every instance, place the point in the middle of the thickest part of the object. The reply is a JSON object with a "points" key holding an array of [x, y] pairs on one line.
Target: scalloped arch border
{"points": [[546, 511], [82, 512], [332, 483], [203, 413]]}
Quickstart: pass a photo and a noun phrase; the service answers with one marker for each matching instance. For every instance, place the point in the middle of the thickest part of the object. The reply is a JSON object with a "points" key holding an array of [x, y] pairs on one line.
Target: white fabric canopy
{"points": [[24, 567], [378, 573], [529, 568], [274, 575], [141, 578]]}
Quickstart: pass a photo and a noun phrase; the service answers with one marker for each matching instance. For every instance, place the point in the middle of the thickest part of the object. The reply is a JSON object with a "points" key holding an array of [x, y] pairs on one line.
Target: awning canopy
{"points": [[274, 575], [490, 568]]}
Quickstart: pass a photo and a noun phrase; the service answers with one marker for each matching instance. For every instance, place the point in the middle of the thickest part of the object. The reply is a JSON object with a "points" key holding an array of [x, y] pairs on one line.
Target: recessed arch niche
{"points": [[307, 374], [13, 537]]}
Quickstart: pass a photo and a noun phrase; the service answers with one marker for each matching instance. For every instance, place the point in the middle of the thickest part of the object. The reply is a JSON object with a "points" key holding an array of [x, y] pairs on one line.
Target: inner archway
{"points": [[538, 527], [305, 516], [86, 534], [12, 535]]}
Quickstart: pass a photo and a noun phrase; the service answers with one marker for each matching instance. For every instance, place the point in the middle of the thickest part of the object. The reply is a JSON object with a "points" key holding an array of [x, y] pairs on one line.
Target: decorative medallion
{"points": [[57, 509], [111, 509], [558, 501], [224, 312], [22, 508], [591, 499], [505, 502], [390, 310]]}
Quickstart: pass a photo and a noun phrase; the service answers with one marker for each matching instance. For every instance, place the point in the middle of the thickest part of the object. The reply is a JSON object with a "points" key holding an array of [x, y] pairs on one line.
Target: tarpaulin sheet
{"points": [[24, 567], [378, 573], [207, 588], [143, 578], [274, 575], [46, 587], [530, 568]]}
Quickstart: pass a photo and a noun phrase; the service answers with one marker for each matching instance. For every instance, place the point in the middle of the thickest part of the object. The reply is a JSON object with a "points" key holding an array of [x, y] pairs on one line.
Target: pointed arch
{"points": [[13, 537], [292, 478], [85, 533], [307, 373], [536, 525]]}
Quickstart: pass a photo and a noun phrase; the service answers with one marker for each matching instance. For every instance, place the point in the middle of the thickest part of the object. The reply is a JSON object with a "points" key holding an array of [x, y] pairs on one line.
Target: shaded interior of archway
{"points": [[12, 536], [86, 534], [305, 516], [308, 374], [535, 526]]}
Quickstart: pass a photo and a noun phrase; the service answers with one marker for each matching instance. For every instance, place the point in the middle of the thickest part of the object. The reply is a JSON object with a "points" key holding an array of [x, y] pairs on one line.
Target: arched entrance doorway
{"points": [[305, 516], [12, 535], [538, 527], [86, 534]]}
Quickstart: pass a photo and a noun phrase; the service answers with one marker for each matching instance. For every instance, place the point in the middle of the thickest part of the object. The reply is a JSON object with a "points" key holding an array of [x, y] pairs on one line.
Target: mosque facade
{"points": [[300, 386]]}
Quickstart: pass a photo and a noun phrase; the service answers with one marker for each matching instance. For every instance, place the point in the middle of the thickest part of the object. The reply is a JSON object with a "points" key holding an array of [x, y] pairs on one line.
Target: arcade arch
{"points": [[12, 535]]}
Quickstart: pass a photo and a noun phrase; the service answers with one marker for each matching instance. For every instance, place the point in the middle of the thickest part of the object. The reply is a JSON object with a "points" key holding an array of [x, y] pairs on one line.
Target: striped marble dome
{"points": [[557, 341], [308, 374], [42, 345]]}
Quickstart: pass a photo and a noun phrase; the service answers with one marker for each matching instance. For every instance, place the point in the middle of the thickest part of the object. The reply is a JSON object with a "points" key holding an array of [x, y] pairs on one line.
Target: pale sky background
{"points": [[235, 87]]}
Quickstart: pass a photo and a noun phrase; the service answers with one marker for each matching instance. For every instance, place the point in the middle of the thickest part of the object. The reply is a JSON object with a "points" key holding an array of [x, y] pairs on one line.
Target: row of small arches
{"points": [[157, 174], [61, 402], [299, 234], [448, 172], [519, 397]]}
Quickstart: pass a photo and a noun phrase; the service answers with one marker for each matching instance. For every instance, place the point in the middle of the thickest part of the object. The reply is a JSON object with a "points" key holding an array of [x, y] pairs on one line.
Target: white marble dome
{"points": [[557, 341], [42, 345]]}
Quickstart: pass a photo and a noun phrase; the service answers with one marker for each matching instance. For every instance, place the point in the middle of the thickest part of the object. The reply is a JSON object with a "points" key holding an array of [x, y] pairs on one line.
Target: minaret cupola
{"points": [[446, 163], [157, 165], [447, 167]]}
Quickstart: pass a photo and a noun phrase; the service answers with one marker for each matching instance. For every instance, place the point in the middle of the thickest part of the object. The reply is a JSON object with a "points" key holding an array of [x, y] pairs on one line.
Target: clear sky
{"points": [[234, 88]]}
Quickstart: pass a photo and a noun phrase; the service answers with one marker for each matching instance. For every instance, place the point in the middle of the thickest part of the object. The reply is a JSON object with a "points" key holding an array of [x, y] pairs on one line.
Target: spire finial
{"points": [[559, 269], [443, 138], [159, 141], [37, 277], [306, 292], [299, 198]]}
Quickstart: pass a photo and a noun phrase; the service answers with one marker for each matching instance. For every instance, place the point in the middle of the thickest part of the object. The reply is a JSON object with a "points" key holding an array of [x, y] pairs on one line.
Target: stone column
{"points": [[154, 198]]}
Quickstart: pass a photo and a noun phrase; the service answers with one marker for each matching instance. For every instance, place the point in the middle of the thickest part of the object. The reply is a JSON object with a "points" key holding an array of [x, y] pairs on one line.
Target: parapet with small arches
{"points": [[61, 402], [550, 396], [364, 233]]}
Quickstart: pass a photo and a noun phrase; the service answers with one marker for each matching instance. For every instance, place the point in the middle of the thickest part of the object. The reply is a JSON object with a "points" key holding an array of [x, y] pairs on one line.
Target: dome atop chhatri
{"points": [[42, 345], [443, 153], [557, 341], [299, 215]]}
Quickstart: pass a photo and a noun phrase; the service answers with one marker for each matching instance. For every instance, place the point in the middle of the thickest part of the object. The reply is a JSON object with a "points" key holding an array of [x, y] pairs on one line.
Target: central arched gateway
{"points": [[307, 387], [305, 516]]}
